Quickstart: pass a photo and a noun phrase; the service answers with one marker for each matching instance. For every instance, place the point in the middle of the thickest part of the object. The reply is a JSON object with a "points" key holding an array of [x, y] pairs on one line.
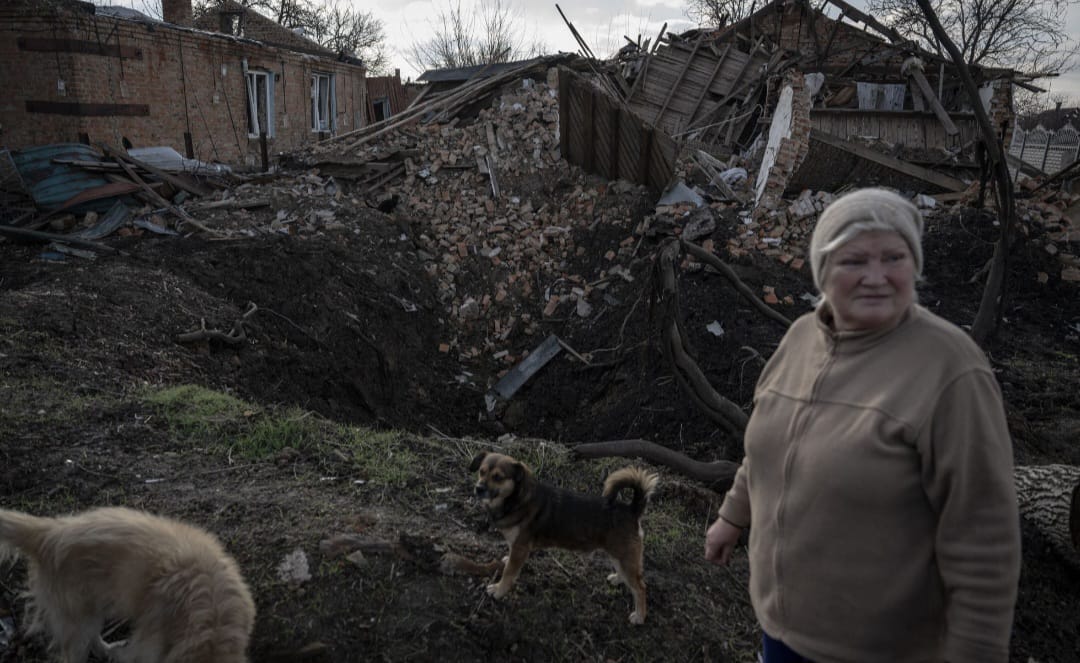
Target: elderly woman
{"points": [[877, 482]]}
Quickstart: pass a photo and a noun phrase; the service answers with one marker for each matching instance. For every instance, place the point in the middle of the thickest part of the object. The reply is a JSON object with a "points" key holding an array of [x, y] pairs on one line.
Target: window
{"points": [[382, 108], [231, 23], [323, 102], [260, 101]]}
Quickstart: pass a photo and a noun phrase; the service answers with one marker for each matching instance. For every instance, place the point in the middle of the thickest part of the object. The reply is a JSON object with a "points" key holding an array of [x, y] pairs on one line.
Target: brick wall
{"points": [[151, 83], [792, 149]]}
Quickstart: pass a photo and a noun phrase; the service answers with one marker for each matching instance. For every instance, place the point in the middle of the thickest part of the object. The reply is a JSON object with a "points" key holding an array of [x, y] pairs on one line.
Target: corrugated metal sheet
{"points": [[53, 184]]}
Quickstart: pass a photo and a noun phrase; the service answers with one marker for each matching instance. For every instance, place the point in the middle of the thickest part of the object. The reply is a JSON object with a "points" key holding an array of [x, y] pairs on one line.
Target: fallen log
{"points": [[688, 374], [1049, 499], [714, 261], [235, 336], [714, 472]]}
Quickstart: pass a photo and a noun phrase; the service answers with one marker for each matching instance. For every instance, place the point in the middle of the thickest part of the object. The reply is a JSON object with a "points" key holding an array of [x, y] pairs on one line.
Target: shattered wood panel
{"points": [[577, 120], [608, 140], [912, 129], [680, 107], [828, 166], [631, 136], [604, 137], [662, 154]]}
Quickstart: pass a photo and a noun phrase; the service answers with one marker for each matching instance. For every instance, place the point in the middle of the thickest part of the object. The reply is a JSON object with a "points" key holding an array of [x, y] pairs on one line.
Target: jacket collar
{"points": [[852, 342]]}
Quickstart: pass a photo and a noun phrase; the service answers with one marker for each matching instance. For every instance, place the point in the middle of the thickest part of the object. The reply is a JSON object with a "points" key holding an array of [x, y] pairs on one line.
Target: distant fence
{"points": [[1049, 151], [604, 137]]}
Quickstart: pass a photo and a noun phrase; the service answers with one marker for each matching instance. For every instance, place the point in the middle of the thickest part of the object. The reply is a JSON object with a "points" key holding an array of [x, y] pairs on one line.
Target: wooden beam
{"points": [[51, 45], [705, 88], [928, 95], [737, 85], [176, 182], [81, 109], [565, 76], [644, 151], [868, 20], [588, 162], [924, 174], [674, 86], [832, 36], [613, 155]]}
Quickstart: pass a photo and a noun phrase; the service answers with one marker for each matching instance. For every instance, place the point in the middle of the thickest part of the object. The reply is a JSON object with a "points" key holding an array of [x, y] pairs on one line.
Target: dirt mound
{"points": [[403, 321]]}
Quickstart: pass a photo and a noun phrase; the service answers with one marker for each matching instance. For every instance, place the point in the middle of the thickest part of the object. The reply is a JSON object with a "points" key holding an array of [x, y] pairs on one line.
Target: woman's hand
{"points": [[720, 540]]}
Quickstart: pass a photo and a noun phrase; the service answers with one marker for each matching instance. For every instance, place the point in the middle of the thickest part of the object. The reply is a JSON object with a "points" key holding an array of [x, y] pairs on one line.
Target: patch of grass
{"points": [[45, 400], [383, 456], [200, 414], [216, 419], [270, 434], [668, 535]]}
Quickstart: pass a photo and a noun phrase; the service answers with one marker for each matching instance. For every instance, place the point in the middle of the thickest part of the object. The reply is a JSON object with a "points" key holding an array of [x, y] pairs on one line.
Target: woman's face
{"points": [[870, 281]]}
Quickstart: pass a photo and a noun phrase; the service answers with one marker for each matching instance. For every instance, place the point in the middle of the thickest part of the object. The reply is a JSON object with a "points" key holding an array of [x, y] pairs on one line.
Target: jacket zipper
{"points": [[789, 459]]}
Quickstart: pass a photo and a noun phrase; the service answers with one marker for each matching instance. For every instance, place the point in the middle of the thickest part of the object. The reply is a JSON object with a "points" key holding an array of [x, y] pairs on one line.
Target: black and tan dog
{"points": [[533, 515]]}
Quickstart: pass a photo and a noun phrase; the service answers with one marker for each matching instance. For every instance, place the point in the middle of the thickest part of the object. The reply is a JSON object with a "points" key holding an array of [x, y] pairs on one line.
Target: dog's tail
{"points": [[20, 532], [642, 482]]}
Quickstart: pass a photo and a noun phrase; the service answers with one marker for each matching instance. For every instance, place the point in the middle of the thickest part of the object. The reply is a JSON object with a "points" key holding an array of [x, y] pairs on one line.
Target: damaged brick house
{"points": [[111, 75], [812, 101]]}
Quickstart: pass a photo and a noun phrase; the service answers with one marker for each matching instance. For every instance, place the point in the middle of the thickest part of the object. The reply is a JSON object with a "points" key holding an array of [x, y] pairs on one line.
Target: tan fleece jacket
{"points": [[879, 490]]}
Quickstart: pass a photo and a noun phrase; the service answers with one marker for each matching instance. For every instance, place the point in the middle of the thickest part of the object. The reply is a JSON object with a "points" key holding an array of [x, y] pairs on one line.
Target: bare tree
{"points": [[344, 30], [332, 24], [489, 32], [718, 13], [1026, 35]]}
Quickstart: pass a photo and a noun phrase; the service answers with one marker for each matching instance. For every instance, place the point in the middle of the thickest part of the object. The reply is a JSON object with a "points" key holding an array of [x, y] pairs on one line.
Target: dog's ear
{"points": [[475, 464]]}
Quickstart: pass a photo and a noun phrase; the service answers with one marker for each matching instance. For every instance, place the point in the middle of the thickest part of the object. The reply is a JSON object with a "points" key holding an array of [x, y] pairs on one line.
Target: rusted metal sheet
{"points": [[54, 185]]}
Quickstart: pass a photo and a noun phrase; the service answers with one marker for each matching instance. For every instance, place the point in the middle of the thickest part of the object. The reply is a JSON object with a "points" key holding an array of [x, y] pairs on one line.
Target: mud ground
{"points": [[348, 329]]}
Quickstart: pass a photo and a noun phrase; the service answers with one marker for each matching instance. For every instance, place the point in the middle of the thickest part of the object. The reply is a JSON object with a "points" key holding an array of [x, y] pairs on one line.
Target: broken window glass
{"points": [[260, 100], [322, 102]]}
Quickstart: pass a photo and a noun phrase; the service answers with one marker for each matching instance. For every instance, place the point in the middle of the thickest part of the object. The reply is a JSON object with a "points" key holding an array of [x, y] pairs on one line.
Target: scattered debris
{"points": [[294, 568]]}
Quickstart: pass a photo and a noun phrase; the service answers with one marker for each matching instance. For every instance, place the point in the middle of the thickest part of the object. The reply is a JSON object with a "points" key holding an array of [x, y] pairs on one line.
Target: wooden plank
{"points": [[706, 118], [564, 111], [81, 109], [928, 94], [924, 174], [154, 196], [54, 45], [588, 161], [601, 135], [868, 20], [644, 150], [613, 157], [678, 81], [174, 181]]}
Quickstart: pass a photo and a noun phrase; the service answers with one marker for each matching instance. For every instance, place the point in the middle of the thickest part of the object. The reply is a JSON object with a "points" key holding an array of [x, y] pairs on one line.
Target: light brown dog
{"points": [[182, 594], [533, 515]]}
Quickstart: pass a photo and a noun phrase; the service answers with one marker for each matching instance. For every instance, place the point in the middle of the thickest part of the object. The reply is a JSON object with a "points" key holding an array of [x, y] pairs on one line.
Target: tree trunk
{"points": [[990, 305], [1049, 498]]}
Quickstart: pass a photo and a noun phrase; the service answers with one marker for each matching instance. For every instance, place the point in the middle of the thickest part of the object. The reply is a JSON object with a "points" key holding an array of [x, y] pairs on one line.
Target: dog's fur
{"points": [[532, 515], [183, 595]]}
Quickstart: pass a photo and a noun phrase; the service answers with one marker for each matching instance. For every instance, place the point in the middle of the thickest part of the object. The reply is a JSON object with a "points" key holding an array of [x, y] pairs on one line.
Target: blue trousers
{"points": [[774, 651]]}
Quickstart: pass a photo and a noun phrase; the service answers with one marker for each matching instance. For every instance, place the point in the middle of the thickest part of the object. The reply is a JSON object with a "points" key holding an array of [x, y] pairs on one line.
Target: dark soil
{"points": [[349, 328]]}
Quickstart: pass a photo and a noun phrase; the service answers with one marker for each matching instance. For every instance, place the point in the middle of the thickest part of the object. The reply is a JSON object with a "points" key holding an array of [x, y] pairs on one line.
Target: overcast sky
{"points": [[601, 23]]}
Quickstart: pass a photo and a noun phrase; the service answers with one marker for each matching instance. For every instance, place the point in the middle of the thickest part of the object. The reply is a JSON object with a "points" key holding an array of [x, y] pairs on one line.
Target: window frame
{"points": [[251, 82], [384, 102], [327, 105]]}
